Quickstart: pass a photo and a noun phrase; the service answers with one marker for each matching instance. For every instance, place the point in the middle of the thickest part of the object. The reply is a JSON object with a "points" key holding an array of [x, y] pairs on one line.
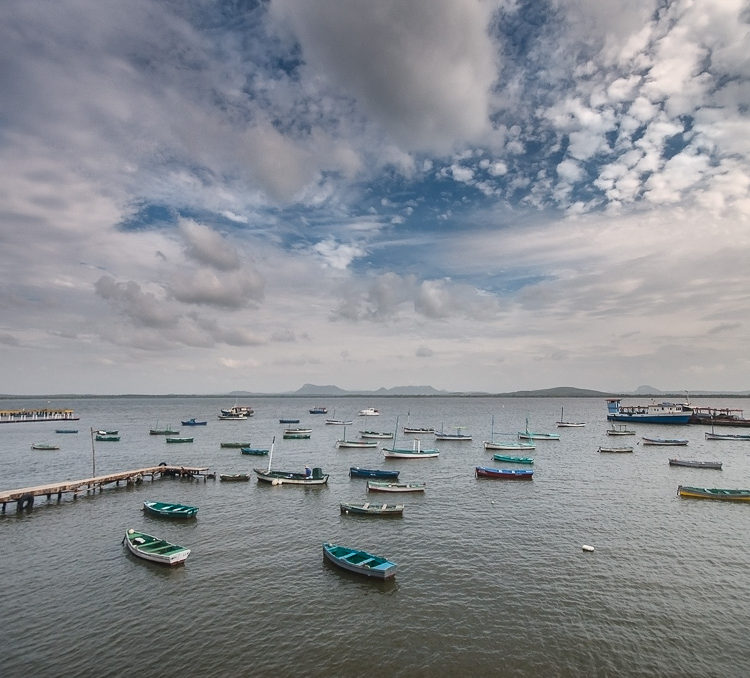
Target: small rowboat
{"points": [[361, 444], [369, 509], [357, 472], [152, 548], [415, 452], [444, 435], [615, 449], [505, 473], [695, 464], [297, 430], [162, 432], [531, 435], [44, 446], [288, 421], [358, 561], [234, 444], [726, 436], [295, 436], [385, 486], [620, 430], [194, 422], [66, 430], [106, 437], [513, 460], [167, 510], [664, 441], [508, 446], [233, 477], [254, 451], [316, 477], [179, 440], [375, 435], [713, 493]]}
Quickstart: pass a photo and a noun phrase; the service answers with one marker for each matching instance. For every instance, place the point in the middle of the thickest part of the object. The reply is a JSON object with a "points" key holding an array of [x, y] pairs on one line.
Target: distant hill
{"points": [[559, 392]]}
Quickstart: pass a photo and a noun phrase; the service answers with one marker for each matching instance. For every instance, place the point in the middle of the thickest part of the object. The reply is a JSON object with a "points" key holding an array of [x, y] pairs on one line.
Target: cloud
{"points": [[144, 309], [232, 290], [208, 247], [422, 70]]}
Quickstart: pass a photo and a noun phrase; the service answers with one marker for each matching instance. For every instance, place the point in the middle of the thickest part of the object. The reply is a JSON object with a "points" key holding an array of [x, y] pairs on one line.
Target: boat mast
{"points": [[270, 455]]}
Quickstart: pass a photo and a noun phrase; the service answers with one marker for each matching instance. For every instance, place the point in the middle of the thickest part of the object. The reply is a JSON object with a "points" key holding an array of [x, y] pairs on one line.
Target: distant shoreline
{"points": [[544, 393]]}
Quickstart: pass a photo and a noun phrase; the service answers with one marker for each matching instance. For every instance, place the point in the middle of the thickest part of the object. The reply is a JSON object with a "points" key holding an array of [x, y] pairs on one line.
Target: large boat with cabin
{"points": [[651, 413]]}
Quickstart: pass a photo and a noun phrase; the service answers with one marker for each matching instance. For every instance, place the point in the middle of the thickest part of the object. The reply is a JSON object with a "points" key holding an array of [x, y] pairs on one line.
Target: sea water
{"points": [[492, 579]]}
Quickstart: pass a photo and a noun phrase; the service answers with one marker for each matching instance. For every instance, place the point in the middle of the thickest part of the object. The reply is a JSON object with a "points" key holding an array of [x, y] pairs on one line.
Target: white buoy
{"points": [[587, 547]]}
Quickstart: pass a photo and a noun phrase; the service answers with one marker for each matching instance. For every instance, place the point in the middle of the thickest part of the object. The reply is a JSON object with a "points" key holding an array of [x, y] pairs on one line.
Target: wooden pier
{"points": [[24, 497]]}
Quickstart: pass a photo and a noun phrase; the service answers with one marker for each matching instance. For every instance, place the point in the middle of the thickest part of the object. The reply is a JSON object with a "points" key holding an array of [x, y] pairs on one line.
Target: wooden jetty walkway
{"points": [[24, 497]]}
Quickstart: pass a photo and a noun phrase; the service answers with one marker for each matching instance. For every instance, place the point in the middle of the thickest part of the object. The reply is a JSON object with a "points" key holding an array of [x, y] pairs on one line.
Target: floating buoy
{"points": [[587, 547]]}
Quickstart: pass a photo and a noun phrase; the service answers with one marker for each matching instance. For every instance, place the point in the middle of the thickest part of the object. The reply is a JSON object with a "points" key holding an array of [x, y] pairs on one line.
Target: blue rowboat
{"points": [[506, 473], [357, 472]]}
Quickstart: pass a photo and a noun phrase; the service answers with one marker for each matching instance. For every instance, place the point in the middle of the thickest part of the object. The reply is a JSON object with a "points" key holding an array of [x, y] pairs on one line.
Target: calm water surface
{"points": [[492, 579]]}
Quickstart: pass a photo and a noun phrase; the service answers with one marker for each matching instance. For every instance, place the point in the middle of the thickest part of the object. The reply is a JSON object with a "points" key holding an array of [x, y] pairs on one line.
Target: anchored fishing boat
{"points": [[695, 463], [358, 561], [170, 510], [152, 548], [503, 473], [653, 413], [713, 493], [664, 441], [512, 459], [620, 430], [369, 509], [357, 472], [386, 486]]}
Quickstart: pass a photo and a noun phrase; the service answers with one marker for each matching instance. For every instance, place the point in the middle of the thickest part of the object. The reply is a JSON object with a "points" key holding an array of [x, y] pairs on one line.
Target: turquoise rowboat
{"points": [[513, 460], [169, 510], [358, 561]]}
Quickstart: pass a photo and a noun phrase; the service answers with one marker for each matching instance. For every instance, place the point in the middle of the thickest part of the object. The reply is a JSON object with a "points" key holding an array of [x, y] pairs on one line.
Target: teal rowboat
{"points": [[513, 460], [170, 510], [254, 451], [358, 561], [179, 440]]}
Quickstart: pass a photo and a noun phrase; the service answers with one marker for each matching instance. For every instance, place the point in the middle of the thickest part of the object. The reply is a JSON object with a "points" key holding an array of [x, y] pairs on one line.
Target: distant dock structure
{"points": [[36, 414], [24, 497]]}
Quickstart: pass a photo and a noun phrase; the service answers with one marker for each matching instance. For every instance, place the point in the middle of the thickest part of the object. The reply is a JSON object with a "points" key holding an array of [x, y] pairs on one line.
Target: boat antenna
{"points": [[270, 454]]}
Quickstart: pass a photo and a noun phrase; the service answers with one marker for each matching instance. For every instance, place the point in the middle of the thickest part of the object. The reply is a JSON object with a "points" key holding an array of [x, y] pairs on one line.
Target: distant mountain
{"points": [[313, 390], [559, 392]]}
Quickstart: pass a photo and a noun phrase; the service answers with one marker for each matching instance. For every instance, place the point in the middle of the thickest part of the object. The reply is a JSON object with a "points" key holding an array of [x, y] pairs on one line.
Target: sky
{"points": [[200, 196]]}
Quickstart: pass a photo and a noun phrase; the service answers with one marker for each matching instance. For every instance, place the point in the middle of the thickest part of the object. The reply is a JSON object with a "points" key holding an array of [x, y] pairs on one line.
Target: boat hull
{"points": [[616, 450]]}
